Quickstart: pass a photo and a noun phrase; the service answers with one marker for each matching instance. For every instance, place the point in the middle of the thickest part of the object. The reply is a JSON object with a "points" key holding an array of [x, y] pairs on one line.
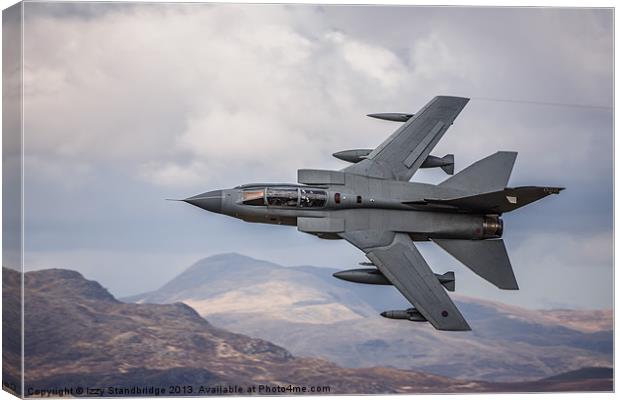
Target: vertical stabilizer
{"points": [[487, 175]]}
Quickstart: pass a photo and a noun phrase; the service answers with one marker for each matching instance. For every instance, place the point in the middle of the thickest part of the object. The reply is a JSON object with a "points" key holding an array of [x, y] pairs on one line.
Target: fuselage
{"points": [[361, 204]]}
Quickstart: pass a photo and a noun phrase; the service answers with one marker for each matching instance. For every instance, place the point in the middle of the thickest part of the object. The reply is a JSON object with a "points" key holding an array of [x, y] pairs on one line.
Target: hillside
{"points": [[226, 282], [327, 318], [78, 335]]}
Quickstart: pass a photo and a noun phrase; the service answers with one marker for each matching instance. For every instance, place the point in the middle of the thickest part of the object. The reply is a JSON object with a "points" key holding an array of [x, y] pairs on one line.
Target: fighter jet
{"points": [[373, 205]]}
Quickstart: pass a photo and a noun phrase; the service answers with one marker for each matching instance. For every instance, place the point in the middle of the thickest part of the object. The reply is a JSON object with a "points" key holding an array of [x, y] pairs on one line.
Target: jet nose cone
{"points": [[210, 201]]}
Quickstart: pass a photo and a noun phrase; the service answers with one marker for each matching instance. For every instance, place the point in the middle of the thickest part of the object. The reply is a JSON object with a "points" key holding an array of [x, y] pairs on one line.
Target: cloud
{"points": [[567, 251], [184, 105], [372, 62], [179, 96]]}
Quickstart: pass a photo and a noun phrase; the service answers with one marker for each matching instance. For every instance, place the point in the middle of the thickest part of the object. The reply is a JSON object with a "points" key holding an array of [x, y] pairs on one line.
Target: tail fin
{"points": [[487, 175], [487, 258], [448, 168], [447, 280]]}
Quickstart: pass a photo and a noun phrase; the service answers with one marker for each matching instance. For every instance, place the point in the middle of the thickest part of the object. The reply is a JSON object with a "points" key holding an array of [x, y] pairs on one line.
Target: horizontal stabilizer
{"points": [[498, 202], [487, 175], [487, 258]]}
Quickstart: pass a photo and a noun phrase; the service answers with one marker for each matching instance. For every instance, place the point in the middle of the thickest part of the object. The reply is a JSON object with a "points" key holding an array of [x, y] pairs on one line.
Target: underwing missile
{"points": [[410, 314], [396, 117], [356, 155], [352, 156], [446, 163], [373, 276]]}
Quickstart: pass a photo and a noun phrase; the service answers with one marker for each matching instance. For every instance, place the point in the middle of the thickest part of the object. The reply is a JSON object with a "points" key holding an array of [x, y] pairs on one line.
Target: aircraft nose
{"points": [[210, 201]]}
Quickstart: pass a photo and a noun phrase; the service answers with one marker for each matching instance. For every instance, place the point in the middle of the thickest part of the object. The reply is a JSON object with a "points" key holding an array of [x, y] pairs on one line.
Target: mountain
{"points": [[80, 337], [313, 314], [232, 284]]}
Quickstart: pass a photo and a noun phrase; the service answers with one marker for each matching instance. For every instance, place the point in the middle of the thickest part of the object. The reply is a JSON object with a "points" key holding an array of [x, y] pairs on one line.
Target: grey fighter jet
{"points": [[372, 205]]}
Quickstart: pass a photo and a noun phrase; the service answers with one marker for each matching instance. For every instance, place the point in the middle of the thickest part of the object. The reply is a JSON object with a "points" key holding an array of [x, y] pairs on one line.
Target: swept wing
{"points": [[400, 155], [402, 264]]}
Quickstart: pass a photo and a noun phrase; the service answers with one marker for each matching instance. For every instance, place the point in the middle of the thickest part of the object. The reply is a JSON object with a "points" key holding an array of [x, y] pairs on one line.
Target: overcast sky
{"points": [[126, 105]]}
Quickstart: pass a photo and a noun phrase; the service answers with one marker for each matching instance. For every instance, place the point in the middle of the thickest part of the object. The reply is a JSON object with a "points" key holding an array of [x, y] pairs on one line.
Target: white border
{"points": [[478, 3]]}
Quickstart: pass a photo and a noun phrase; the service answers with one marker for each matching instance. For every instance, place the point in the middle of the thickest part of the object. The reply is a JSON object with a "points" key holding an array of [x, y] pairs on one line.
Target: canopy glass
{"points": [[289, 197]]}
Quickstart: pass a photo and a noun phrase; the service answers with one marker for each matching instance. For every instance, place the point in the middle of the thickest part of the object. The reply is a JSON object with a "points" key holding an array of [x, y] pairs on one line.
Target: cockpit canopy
{"points": [[289, 197]]}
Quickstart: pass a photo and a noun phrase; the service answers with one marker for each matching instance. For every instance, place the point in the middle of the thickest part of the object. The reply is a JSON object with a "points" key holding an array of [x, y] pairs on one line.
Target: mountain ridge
{"points": [[159, 344], [171, 344], [539, 343]]}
